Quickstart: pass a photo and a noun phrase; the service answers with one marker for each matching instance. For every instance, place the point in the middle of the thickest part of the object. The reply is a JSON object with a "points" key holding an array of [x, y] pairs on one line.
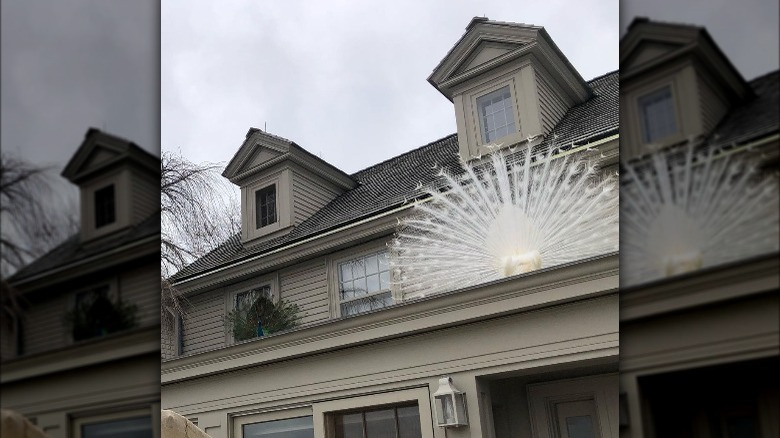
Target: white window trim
{"points": [[245, 286], [239, 420], [153, 411], [421, 396], [334, 275]]}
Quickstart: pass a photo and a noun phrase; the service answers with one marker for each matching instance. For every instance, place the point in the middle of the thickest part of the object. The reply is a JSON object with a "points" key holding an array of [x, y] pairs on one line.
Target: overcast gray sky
{"points": [[746, 31], [347, 80], [69, 65]]}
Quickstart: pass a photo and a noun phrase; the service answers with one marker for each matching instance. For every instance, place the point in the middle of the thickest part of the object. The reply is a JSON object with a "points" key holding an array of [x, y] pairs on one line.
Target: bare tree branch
{"points": [[35, 219], [199, 211]]}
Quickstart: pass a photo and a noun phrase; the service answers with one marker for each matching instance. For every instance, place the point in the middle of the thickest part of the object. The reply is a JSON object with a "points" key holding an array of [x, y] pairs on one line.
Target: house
{"points": [[699, 350], [81, 357], [519, 356]]}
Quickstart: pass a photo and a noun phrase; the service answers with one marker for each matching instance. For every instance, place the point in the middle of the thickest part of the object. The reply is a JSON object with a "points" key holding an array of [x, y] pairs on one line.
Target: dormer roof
{"points": [[650, 45], [489, 44], [101, 151], [261, 151]]}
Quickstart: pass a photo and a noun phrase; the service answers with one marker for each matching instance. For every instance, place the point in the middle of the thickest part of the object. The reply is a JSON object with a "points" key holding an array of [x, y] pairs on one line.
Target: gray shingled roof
{"points": [[72, 250], [388, 184], [753, 119]]}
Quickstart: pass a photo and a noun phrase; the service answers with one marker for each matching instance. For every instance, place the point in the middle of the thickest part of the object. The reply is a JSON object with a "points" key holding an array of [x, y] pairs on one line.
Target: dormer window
{"points": [[104, 206], [658, 116], [497, 117], [509, 84], [265, 202]]}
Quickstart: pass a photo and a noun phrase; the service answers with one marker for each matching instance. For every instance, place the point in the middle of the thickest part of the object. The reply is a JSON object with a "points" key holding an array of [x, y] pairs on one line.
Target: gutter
{"points": [[363, 221]]}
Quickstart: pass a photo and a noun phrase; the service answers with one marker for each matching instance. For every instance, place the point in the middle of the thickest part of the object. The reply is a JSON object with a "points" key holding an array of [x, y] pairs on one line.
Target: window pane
{"points": [[658, 118], [126, 428], [372, 283], [265, 206], [346, 271], [349, 426], [384, 280], [496, 114], [360, 286], [371, 264], [580, 427], [383, 262], [409, 422], [302, 427], [380, 424], [104, 206], [347, 290]]}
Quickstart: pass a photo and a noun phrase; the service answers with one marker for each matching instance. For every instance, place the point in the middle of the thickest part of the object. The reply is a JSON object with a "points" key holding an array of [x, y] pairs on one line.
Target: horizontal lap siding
{"points": [[146, 197], [44, 326], [712, 107], [310, 195], [141, 286], [307, 286], [204, 322], [552, 107]]}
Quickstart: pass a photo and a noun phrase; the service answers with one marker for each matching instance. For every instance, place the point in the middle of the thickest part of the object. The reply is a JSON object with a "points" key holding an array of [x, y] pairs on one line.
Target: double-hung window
{"points": [[364, 283]]}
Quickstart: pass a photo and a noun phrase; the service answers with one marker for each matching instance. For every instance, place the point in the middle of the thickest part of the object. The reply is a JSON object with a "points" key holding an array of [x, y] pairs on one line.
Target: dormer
{"points": [[675, 84], [281, 185], [508, 82], [119, 183]]}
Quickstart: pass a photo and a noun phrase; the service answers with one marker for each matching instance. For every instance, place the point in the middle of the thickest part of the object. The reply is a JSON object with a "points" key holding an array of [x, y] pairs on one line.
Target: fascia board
{"points": [[705, 287]]}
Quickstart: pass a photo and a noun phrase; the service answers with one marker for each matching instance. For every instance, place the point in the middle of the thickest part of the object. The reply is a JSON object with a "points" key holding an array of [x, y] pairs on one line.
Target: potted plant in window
{"points": [[95, 314], [262, 317]]}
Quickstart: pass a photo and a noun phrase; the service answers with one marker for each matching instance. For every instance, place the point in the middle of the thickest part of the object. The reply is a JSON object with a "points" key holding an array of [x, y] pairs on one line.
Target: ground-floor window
{"points": [[300, 427], [388, 422], [130, 427]]}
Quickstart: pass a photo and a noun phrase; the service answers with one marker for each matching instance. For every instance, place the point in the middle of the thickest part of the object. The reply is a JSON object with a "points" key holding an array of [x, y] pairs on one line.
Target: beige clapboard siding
{"points": [[44, 325], [310, 195], [141, 286], [146, 196], [307, 286], [551, 105], [711, 105], [204, 326]]}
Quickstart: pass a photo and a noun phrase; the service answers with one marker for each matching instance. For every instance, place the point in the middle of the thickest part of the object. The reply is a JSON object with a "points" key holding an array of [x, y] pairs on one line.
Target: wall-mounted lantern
{"points": [[450, 405]]}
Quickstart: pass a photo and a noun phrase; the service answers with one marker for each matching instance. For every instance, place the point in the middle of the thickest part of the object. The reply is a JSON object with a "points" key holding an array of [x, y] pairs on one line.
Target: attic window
{"points": [[265, 203], [496, 114], [658, 117], [104, 206]]}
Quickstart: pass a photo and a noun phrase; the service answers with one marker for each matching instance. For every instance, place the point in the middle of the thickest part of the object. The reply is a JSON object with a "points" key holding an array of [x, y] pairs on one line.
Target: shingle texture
{"points": [[390, 183], [755, 118], [72, 250]]}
